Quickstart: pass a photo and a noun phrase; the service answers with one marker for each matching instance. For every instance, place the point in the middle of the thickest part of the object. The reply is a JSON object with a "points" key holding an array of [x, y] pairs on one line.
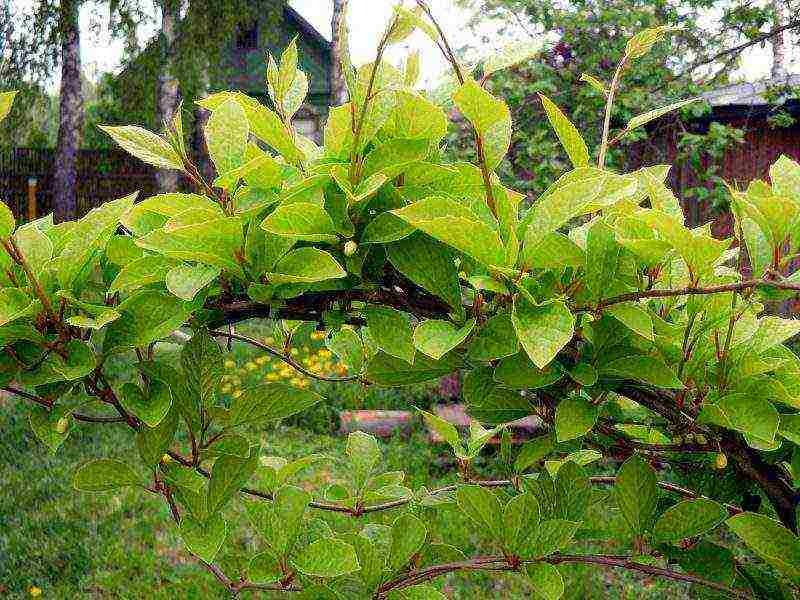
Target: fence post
{"points": [[32, 183]]}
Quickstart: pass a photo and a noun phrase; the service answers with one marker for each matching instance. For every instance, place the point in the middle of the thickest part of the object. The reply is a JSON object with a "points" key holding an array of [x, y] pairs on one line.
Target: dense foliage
{"points": [[631, 337]]}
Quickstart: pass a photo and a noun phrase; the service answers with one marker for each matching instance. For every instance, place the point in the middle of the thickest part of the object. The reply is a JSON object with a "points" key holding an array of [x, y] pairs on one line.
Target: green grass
{"points": [[124, 545]]}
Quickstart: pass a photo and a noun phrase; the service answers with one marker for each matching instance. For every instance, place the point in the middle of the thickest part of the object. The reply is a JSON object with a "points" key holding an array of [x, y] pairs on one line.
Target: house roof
{"points": [[304, 26], [749, 93]]}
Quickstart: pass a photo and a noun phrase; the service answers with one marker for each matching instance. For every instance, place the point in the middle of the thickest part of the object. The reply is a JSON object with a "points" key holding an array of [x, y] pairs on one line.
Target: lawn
{"points": [[123, 545]]}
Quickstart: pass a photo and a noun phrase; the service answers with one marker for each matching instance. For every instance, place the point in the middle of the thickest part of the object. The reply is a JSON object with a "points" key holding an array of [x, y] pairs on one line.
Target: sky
{"points": [[367, 19]]}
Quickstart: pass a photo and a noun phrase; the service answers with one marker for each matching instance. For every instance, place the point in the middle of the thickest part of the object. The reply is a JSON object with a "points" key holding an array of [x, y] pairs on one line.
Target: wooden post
{"points": [[32, 183]]}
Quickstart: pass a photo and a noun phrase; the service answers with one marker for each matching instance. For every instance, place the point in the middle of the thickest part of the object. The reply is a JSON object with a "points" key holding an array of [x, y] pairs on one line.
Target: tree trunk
{"points": [[70, 128], [779, 42], [338, 88], [167, 84]]}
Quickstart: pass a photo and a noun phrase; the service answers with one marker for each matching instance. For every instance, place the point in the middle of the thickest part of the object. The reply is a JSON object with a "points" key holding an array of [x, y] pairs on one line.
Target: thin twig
{"points": [[689, 291]]}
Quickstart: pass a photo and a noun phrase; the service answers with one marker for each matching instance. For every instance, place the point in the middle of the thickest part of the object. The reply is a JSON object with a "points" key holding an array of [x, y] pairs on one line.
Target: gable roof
{"points": [[749, 93], [307, 28]]}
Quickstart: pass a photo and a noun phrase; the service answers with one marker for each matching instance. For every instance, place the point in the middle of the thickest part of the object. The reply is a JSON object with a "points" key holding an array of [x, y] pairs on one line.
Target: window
{"points": [[247, 36]]}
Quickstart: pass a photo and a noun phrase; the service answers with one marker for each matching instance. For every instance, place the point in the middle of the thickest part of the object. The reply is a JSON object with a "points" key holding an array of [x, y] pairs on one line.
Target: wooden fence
{"points": [[102, 175]]}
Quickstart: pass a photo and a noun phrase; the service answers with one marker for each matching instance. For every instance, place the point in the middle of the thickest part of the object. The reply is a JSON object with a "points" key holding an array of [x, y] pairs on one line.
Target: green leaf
{"points": [[770, 540], [141, 272], [512, 55], [634, 317], [35, 246], [202, 362], [228, 476], [204, 539], [602, 256], [567, 133], [435, 338], [388, 371], [408, 537], [303, 221], [643, 368], [532, 452], [153, 212], [214, 241], [546, 580], [446, 430], [147, 316], [47, 425], [153, 442], [551, 536], [416, 592], [496, 339], [651, 115], [641, 43], [575, 417], [327, 557], [392, 157], [457, 226], [271, 402], [636, 492], [491, 118], [519, 372], [145, 145], [491, 403], [753, 415], [364, 454], [7, 221], [555, 251], [391, 331], [264, 568], [689, 518], [386, 228], [482, 507], [429, 264], [103, 475], [185, 281], [416, 117], [150, 409], [14, 304], [542, 330], [89, 236], [6, 102], [306, 265], [520, 521], [226, 136], [288, 509], [581, 191], [347, 345], [785, 177]]}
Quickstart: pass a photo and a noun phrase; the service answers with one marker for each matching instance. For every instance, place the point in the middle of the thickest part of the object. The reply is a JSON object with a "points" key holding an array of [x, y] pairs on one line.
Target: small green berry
{"points": [[62, 425], [350, 248]]}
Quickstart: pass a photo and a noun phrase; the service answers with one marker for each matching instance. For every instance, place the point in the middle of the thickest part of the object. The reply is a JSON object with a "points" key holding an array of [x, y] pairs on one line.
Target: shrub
{"points": [[629, 335]]}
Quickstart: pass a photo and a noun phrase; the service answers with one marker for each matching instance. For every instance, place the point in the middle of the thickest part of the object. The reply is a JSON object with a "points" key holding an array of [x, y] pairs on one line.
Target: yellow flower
{"points": [[230, 364], [237, 393], [304, 383], [262, 360], [325, 353], [272, 377], [251, 366], [34, 591], [295, 381]]}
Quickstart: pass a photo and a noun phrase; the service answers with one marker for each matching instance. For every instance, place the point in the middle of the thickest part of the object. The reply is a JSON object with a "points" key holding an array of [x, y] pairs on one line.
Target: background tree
{"points": [[588, 37], [338, 88]]}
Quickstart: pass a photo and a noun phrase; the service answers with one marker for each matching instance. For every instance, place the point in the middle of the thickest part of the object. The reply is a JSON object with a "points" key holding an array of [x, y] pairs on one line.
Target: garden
{"points": [[182, 373]]}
